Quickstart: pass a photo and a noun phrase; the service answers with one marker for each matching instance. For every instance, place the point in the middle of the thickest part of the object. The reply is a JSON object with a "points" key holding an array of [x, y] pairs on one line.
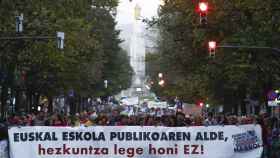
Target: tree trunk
{"points": [[29, 101], [72, 105], [36, 99], [4, 95], [50, 106], [79, 104]]}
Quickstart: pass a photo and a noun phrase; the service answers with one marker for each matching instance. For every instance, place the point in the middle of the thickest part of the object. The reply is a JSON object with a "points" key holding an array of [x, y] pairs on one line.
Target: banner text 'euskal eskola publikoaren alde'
{"points": [[242, 141]]}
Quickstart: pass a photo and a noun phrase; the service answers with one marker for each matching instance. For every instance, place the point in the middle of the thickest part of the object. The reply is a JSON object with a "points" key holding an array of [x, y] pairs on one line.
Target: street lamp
{"points": [[160, 75], [161, 83]]}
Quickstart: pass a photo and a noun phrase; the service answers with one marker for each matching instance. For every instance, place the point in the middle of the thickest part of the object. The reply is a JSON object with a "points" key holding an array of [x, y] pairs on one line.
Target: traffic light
{"points": [[212, 48], [203, 6], [19, 23], [200, 104], [203, 9], [60, 40]]}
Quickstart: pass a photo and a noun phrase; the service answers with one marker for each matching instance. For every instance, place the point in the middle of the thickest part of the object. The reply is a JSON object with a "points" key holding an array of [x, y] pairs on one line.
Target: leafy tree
{"points": [[234, 73], [37, 67]]}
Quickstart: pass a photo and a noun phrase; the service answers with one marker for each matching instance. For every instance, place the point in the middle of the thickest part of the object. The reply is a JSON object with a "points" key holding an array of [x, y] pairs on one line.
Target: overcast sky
{"points": [[126, 10]]}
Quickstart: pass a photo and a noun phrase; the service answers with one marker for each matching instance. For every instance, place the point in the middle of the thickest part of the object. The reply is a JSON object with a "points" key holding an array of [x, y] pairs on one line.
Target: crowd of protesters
{"points": [[151, 117], [156, 117]]}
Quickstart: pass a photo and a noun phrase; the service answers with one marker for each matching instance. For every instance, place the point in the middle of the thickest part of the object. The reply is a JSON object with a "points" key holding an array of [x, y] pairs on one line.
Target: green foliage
{"points": [[91, 55], [234, 73]]}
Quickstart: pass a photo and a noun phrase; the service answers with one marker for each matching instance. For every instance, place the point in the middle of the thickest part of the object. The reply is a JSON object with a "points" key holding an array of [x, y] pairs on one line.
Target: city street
{"points": [[139, 79]]}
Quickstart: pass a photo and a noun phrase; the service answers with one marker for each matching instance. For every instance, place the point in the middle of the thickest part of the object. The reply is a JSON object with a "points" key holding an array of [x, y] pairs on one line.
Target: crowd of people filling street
{"points": [[140, 79], [132, 116]]}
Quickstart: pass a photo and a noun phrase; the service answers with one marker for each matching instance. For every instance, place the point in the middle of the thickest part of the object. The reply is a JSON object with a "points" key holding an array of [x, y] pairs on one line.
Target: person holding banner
{"points": [[269, 126]]}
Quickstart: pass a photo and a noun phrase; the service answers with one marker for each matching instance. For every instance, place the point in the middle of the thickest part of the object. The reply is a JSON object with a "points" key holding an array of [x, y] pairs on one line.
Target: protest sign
{"points": [[130, 101], [133, 141]]}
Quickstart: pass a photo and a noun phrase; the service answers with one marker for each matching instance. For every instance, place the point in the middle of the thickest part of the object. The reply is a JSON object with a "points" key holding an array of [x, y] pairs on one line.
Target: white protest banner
{"points": [[134, 141], [130, 101]]}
